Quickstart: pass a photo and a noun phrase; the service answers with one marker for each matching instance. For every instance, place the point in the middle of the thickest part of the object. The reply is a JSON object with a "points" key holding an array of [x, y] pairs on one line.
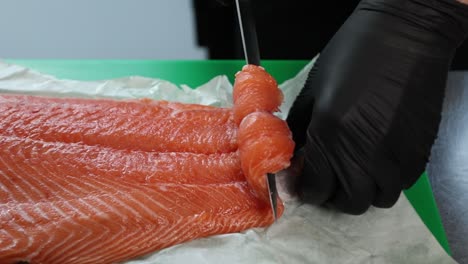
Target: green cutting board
{"points": [[195, 73]]}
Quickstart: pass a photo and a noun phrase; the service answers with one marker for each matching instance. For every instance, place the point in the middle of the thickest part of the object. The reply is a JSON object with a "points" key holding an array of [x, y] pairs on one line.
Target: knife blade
{"points": [[248, 32], [252, 56]]}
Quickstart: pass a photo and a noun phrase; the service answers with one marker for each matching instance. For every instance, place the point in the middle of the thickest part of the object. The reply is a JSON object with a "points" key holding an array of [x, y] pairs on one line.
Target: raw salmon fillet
{"points": [[104, 181], [140, 125]]}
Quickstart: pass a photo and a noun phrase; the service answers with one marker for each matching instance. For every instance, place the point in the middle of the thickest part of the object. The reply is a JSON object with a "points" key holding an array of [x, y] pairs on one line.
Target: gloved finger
{"points": [[417, 121], [300, 113], [360, 196], [387, 175], [317, 182], [367, 127], [356, 189], [347, 148]]}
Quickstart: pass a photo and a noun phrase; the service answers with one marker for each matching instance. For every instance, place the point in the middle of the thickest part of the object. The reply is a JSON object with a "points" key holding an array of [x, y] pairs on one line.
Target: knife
{"points": [[252, 56]]}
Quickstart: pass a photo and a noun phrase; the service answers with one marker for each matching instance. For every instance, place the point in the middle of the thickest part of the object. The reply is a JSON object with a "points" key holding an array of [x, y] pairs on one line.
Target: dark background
{"points": [[291, 29]]}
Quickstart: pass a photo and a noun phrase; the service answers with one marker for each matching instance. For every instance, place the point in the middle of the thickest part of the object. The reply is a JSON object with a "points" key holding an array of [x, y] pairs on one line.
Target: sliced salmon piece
{"points": [[136, 125], [266, 146], [255, 90], [126, 165]]}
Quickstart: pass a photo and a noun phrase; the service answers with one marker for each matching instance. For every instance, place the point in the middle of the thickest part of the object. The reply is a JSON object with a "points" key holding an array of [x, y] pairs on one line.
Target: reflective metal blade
{"points": [[248, 32], [271, 180]]}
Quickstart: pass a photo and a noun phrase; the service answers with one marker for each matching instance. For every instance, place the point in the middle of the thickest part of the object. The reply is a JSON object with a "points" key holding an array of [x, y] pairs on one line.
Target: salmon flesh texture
{"points": [[104, 181]]}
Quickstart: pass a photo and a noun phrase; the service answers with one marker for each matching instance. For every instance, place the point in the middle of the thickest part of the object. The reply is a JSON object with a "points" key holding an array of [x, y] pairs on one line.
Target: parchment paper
{"points": [[305, 234]]}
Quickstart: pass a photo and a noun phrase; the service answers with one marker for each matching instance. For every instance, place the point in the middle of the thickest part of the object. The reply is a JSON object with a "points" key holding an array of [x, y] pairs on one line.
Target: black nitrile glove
{"points": [[370, 110]]}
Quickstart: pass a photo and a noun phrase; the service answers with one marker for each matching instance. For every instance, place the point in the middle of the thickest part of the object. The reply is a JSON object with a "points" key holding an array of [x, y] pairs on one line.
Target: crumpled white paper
{"points": [[305, 234]]}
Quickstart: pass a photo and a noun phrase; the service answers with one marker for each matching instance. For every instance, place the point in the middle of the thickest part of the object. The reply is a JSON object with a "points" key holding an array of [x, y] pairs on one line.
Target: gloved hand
{"points": [[369, 113]]}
